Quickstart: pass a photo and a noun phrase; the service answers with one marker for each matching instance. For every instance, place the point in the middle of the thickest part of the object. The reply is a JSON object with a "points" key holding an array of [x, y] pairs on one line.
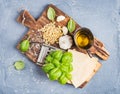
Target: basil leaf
{"points": [[69, 76], [51, 13], [56, 62], [62, 80], [49, 59], [47, 67], [71, 25], [57, 54], [19, 65], [67, 59], [24, 46], [70, 68], [54, 74], [68, 53], [64, 68]]}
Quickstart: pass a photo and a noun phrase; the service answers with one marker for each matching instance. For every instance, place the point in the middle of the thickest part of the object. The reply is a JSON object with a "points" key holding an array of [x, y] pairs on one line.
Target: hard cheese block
{"points": [[84, 68]]}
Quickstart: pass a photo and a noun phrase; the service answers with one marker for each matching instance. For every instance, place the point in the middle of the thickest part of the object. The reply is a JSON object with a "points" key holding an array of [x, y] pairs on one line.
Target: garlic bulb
{"points": [[65, 30], [60, 18], [65, 42]]}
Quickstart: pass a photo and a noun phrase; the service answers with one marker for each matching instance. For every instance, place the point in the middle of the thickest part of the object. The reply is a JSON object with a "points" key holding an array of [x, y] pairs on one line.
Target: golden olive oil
{"points": [[83, 38]]}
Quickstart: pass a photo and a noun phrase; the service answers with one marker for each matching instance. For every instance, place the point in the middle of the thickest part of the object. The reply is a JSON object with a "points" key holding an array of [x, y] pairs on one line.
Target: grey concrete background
{"points": [[101, 16]]}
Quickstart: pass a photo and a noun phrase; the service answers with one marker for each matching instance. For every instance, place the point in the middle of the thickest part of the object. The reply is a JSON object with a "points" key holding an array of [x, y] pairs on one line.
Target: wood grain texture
{"points": [[27, 20]]}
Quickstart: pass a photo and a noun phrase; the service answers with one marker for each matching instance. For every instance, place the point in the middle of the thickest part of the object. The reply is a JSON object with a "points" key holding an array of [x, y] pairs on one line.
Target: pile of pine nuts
{"points": [[51, 33]]}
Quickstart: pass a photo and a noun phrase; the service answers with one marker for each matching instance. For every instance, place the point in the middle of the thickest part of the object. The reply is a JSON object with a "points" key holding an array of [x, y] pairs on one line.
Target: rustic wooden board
{"points": [[98, 47], [36, 40]]}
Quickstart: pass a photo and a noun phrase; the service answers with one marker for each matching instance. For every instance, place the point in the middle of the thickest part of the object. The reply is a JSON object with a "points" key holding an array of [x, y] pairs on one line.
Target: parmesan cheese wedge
{"points": [[84, 68]]}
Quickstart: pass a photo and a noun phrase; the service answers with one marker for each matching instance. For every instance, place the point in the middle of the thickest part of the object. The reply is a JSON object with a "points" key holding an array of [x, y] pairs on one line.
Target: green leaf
{"points": [[57, 54], [51, 13], [54, 74], [67, 53], [56, 62], [24, 46], [70, 68], [49, 59], [71, 25], [19, 65], [47, 67], [69, 76], [64, 68], [63, 80], [66, 59]]}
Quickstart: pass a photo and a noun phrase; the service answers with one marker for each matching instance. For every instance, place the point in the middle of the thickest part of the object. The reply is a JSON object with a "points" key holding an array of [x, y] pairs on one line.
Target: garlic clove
{"points": [[65, 30], [60, 18]]}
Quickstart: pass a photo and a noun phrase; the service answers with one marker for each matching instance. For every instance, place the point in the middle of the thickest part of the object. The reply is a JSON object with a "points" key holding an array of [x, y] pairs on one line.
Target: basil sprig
{"points": [[71, 25], [51, 13], [24, 46], [58, 66]]}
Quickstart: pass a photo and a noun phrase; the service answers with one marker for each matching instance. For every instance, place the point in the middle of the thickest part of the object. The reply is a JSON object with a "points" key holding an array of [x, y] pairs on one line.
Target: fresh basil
{"points": [[69, 76], [63, 80], [24, 46], [19, 65], [58, 66], [51, 13], [55, 74], [47, 67], [64, 68], [71, 25], [56, 62], [49, 59]]}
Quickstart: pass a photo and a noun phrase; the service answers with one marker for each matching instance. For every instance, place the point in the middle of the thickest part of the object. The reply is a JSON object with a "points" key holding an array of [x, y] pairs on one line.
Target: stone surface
{"points": [[101, 16]]}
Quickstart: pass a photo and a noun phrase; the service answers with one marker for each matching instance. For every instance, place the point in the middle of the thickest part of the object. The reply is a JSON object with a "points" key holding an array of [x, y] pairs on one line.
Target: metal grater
{"points": [[45, 49]]}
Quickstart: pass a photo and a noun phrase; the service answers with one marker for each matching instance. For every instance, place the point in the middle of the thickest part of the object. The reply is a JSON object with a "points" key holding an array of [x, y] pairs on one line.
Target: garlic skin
{"points": [[65, 30], [60, 18], [65, 42]]}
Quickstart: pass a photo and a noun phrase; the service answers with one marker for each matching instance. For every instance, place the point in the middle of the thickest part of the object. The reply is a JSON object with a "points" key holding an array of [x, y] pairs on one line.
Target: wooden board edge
{"points": [[26, 19]]}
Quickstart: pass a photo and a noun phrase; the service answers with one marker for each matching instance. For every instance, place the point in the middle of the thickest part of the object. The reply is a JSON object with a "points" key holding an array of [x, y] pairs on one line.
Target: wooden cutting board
{"points": [[35, 37]]}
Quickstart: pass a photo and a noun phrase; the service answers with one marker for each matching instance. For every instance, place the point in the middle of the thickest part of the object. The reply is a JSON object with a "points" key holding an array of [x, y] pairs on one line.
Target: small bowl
{"points": [[86, 32]]}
